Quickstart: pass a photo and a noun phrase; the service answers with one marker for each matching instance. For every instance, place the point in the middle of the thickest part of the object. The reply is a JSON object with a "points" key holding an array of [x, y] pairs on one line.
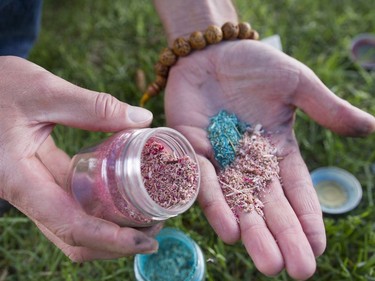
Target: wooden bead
{"points": [[254, 35], [161, 81], [213, 34], [197, 40], [161, 69], [244, 30], [153, 89], [167, 57], [230, 31], [181, 47]]}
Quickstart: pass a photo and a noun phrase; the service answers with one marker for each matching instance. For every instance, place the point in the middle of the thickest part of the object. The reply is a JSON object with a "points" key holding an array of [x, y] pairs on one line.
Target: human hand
{"points": [[261, 85], [33, 170]]}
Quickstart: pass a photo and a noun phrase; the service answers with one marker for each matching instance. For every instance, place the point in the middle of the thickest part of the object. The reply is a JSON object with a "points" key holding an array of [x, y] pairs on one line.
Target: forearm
{"points": [[182, 17]]}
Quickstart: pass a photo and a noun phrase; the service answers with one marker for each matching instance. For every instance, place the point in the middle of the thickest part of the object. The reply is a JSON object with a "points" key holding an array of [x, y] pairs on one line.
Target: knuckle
{"points": [[255, 227], [68, 234], [106, 106], [76, 258], [289, 230], [73, 254]]}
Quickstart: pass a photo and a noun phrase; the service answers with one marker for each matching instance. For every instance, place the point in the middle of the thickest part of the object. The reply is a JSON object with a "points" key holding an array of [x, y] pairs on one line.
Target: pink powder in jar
{"points": [[137, 177]]}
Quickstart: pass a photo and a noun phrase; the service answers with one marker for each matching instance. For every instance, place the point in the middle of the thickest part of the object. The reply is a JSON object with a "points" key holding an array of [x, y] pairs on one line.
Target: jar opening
{"points": [[168, 173]]}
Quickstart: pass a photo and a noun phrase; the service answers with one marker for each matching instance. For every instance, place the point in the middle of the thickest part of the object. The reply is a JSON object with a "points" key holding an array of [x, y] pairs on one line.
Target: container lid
{"points": [[362, 50], [179, 258], [338, 190]]}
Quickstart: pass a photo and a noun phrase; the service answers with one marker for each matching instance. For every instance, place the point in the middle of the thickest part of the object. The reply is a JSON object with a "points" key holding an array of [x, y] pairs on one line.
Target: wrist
{"points": [[180, 17]]}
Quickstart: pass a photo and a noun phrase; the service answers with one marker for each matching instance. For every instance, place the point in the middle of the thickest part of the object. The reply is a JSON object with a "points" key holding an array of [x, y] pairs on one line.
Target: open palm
{"points": [[261, 85]]}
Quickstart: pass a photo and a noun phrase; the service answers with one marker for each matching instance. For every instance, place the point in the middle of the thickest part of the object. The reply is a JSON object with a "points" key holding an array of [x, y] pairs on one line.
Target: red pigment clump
{"points": [[169, 179], [254, 167]]}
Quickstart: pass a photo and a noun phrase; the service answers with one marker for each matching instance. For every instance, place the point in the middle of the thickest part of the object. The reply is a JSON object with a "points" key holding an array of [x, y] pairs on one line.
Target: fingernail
{"points": [[154, 230], [151, 251], [146, 245], [139, 114]]}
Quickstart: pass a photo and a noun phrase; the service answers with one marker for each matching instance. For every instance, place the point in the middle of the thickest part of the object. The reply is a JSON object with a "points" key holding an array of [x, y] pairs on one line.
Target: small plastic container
{"points": [[107, 180], [273, 41], [338, 190], [179, 258], [362, 50]]}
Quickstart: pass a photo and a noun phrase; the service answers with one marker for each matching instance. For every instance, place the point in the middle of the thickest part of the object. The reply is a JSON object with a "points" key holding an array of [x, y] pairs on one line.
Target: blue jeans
{"points": [[19, 26]]}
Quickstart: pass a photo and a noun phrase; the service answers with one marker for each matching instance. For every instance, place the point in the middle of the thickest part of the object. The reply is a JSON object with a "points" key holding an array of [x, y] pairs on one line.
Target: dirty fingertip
{"points": [[145, 244]]}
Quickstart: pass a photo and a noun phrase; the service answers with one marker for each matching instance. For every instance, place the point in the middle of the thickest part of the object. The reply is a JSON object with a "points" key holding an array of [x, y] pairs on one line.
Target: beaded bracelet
{"points": [[197, 41]]}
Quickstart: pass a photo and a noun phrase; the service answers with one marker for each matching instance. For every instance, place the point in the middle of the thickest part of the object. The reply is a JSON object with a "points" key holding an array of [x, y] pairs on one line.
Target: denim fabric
{"points": [[19, 26]]}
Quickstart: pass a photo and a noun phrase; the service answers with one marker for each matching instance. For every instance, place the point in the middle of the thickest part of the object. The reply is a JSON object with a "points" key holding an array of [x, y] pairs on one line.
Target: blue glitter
{"points": [[224, 132], [179, 258]]}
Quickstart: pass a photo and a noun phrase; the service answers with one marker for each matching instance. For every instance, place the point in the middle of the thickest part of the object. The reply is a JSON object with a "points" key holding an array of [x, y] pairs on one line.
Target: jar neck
{"points": [[130, 181]]}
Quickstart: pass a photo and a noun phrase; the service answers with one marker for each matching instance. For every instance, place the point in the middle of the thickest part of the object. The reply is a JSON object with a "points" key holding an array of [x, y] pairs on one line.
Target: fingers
{"points": [[214, 206], [57, 163], [279, 241], [293, 221], [301, 194], [286, 229], [55, 160], [336, 114], [103, 236], [51, 99], [83, 237], [77, 107], [82, 254], [47, 204], [260, 244]]}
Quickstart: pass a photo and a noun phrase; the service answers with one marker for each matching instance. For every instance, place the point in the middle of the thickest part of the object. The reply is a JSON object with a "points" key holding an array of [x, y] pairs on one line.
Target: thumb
{"points": [[330, 111], [70, 105]]}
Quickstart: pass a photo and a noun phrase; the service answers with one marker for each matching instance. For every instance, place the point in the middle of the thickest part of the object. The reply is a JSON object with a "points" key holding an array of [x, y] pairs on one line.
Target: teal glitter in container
{"points": [[179, 258], [224, 132]]}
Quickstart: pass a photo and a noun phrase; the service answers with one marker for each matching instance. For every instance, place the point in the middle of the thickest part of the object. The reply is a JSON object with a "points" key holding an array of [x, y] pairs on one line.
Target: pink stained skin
{"points": [[34, 171], [261, 85]]}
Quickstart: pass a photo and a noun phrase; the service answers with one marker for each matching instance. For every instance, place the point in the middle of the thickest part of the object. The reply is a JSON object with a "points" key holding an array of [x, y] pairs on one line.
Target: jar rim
{"points": [[174, 235]]}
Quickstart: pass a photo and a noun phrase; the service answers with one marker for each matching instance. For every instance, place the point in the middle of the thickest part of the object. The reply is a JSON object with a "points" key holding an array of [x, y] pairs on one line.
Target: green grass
{"points": [[101, 46]]}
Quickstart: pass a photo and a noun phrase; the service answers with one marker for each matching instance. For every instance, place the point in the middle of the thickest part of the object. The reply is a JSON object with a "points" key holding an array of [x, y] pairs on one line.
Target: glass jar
{"points": [[136, 177], [179, 258]]}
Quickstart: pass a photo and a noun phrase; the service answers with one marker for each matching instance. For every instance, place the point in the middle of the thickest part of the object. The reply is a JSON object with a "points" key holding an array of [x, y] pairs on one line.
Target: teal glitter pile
{"points": [[174, 261], [224, 132]]}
